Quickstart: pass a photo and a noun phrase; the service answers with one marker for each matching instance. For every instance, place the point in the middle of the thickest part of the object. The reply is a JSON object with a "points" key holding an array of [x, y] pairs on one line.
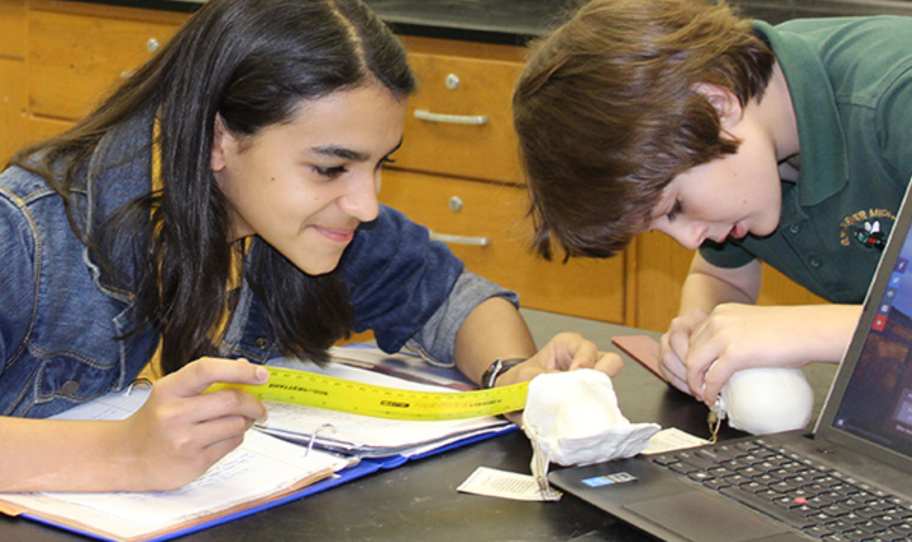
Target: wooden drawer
{"points": [[29, 129], [12, 28], [586, 288], [452, 90], [75, 59], [39, 128]]}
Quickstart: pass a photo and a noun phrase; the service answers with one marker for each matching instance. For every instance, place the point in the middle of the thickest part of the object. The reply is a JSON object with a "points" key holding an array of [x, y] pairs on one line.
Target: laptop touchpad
{"points": [[706, 518]]}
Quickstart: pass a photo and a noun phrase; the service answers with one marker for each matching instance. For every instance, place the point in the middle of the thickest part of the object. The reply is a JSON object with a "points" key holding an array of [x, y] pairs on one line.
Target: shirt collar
{"points": [[824, 161]]}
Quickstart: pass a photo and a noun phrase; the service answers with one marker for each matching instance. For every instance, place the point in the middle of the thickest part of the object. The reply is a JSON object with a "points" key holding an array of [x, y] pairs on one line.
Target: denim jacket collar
{"points": [[118, 172]]}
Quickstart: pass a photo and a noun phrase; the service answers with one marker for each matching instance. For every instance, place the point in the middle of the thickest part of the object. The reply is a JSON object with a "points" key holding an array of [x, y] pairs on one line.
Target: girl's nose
{"points": [[361, 200]]}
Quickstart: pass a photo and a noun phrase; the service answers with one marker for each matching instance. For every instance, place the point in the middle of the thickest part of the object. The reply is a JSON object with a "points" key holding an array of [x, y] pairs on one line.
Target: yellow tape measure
{"points": [[321, 391]]}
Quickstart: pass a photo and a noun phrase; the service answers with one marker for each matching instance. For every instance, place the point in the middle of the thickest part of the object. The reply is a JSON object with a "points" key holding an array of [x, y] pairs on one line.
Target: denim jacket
{"points": [[59, 320]]}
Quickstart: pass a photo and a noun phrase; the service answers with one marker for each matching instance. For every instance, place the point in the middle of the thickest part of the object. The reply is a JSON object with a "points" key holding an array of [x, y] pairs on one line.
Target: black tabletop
{"points": [[419, 501]]}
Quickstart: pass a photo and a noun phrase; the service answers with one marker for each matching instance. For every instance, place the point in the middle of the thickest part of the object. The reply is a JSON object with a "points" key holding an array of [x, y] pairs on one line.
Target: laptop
{"points": [[850, 480]]}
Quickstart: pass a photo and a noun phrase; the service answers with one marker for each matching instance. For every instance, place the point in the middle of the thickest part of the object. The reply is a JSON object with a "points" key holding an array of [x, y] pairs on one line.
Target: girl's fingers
{"points": [[210, 406], [609, 363], [196, 377]]}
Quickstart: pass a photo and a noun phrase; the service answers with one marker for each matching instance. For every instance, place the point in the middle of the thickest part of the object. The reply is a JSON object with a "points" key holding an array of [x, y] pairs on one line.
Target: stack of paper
{"points": [[264, 470]]}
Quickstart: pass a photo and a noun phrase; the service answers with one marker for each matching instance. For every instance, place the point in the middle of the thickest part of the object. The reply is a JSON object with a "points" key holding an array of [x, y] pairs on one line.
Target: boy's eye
{"points": [[330, 172], [675, 210]]}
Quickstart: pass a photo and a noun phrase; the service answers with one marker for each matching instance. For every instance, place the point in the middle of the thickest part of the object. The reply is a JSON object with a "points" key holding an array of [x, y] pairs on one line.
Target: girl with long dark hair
{"points": [[218, 209]]}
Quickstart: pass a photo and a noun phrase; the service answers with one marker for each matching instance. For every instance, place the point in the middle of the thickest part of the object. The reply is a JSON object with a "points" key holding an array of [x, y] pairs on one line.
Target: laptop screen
{"points": [[877, 404], [870, 403]]}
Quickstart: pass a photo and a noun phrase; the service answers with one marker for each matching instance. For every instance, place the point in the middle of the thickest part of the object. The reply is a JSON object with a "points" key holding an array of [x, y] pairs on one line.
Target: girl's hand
{"points": [[180, 431], [564, 352], [674, 347]]}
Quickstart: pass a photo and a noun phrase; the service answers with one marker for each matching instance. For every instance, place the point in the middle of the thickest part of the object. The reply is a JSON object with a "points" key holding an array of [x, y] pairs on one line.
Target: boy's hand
{"points": [[180, 431], [738, 336], [674, 347]]}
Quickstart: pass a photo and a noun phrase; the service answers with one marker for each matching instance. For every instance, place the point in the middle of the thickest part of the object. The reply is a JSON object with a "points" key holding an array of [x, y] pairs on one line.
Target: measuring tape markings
{"points": [[328, 392]]}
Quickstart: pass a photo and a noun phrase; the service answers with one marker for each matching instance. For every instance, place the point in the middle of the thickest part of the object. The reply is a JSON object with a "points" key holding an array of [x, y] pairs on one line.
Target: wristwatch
{"points": [[498, 367]]}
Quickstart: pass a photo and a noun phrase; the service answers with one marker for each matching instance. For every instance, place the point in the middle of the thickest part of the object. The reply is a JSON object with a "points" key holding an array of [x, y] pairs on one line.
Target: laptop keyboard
{"points": [[813, 498]]}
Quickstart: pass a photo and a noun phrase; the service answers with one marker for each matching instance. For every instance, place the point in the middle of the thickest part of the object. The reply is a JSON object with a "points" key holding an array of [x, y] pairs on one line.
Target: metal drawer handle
{"points": [[460, 239], [474, 120]]}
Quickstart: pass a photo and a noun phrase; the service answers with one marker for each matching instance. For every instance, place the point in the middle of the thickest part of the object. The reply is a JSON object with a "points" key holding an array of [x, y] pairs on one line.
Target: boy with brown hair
{"points": [[789, 144]]}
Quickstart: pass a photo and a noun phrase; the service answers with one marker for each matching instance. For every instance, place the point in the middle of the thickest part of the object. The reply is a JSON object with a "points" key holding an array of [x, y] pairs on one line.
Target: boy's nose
{"points": [[689, 235]]}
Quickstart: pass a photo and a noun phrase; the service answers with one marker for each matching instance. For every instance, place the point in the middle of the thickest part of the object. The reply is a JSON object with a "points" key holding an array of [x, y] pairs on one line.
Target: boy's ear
{"points": [[221, 141], [724, 101]]}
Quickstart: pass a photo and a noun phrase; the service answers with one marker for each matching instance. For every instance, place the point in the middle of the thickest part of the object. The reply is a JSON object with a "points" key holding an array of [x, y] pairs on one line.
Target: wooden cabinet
{"points": [[12, 75], [58, 59], [458, 173], [485, 227], [38, 128], [76, 58], [459, 122], [659, 271], [12, 29], [12, 107]]}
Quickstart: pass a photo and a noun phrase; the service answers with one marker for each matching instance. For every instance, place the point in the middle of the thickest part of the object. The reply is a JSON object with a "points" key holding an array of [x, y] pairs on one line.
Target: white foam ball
{"points": [[767, 400]]}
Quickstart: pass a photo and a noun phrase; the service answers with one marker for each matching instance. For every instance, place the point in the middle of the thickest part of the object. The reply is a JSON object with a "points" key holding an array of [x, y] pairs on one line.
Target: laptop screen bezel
{"points": [[825, 428]]}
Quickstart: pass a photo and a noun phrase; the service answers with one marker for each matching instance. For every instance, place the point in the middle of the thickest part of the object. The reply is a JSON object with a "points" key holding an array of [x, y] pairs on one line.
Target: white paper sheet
{"points": [[261, 466]]}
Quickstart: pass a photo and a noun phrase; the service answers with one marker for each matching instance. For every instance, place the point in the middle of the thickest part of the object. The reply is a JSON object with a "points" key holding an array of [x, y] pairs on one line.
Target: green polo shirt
{"points": [[850, 80]]}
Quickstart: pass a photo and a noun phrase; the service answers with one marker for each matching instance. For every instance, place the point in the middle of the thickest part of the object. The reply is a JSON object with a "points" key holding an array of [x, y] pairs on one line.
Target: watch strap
{"points": [[498, 367]]}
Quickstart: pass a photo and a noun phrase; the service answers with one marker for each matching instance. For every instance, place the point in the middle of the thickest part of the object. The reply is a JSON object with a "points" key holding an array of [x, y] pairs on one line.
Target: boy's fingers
{"points": [[673, 367], [716, 377], [679, 384], [679, 343]]}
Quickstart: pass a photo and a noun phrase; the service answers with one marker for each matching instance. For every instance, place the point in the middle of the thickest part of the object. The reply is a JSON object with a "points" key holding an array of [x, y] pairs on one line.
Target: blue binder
{"points": [[364, 467]]}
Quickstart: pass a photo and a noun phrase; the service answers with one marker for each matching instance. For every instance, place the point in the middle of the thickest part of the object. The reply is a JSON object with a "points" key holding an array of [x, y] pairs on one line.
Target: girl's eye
{"points": [[675, 210], [330, 172]]}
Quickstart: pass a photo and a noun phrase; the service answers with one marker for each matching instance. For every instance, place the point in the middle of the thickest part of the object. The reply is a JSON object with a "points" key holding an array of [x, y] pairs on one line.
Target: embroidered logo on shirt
{"points": [[868, 227], [871, 236]]}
